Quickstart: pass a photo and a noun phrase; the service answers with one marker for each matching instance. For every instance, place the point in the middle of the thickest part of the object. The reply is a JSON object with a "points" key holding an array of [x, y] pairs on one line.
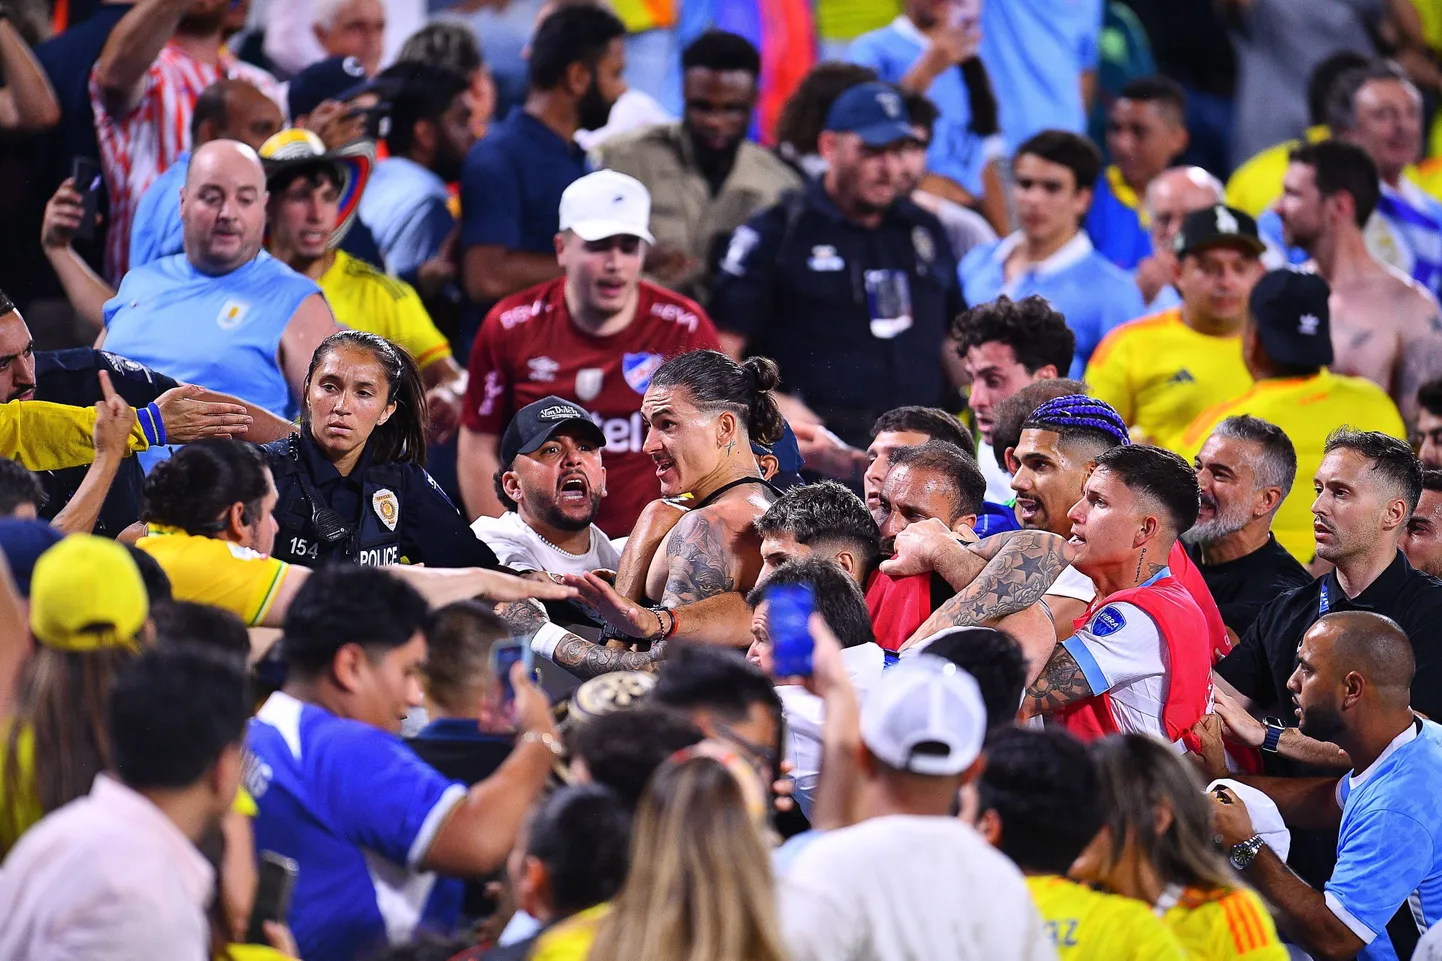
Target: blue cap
{"points": [[788, 459], [23, 541], [874, 112]]}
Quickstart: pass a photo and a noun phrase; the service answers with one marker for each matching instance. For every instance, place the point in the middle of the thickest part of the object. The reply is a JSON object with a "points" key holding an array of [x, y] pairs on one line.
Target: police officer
{"points": [[847, 284], [351, 484]]}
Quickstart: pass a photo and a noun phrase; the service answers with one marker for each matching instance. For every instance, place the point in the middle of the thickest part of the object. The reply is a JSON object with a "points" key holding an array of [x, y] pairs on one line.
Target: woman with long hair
{"points": [[700, 886], [54, 741], [1156, 845], [352, 484]]}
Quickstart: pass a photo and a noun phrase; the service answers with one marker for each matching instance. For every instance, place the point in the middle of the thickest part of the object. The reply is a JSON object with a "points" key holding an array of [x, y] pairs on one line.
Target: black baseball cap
{"points": [[1218, 226], [874, 112], [335, 78], [1289, 310], [535, 423]]}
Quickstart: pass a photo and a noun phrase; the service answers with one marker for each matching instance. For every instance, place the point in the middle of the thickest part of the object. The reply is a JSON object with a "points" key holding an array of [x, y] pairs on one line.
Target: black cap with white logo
{"points": [[1289, 309], [535, 424], [1218, 226]]}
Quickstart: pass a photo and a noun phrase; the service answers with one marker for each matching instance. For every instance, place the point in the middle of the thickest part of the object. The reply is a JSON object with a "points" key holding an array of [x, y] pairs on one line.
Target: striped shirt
{"points": [[138, 146]]}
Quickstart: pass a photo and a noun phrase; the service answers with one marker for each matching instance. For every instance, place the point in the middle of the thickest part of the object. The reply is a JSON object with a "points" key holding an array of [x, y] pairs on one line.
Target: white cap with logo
{"points": [[926, 716], [607, 204]]}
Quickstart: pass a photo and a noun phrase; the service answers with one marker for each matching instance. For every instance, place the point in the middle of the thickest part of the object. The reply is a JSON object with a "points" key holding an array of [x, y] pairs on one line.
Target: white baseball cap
{"points": [[607, 204], [926, 716], [1266, 818]]}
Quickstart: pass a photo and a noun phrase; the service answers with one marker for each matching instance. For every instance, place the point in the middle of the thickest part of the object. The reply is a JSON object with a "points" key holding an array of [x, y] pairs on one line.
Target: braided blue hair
{"points": [[1079, 411]]}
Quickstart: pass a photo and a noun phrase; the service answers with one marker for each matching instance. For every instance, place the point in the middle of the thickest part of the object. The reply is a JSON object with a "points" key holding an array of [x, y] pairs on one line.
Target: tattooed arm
{"points": [[1061, 683], [1020, 566], [1419, 361], [699, 566]]}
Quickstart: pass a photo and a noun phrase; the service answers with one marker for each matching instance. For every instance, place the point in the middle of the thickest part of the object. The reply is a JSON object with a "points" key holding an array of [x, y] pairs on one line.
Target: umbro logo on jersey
{"points": [[1308, 324], [543, 369], [1182, 376]]}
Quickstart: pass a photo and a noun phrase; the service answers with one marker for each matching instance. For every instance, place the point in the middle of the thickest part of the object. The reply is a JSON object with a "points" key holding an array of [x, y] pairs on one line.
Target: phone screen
{"points": [[502, 657], [272, 894], [789, 608]]}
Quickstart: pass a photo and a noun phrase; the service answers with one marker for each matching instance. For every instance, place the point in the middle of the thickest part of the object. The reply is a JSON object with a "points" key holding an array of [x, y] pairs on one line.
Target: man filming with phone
{"points": [[368, 823]]}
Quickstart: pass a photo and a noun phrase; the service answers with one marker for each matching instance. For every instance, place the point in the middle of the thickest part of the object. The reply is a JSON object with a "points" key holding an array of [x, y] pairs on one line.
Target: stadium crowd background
{"points": [[421, 418]]}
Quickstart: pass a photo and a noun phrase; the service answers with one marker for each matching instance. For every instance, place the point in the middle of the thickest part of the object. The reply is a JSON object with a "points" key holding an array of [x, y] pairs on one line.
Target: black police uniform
{"points": [[821, 295], [382, 513], [69, 377]]}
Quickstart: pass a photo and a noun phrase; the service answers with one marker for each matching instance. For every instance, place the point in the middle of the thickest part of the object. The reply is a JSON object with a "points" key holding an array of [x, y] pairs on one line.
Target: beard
{"points": [[1322, 722], [593, 110], [553, 516], [1224, 523]]}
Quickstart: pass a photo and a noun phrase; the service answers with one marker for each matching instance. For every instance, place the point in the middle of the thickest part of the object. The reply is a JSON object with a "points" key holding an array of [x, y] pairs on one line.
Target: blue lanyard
{"points": [[1324, 605]]}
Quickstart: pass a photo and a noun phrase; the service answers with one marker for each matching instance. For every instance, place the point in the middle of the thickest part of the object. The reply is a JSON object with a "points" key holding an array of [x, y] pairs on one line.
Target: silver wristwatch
{"points": [[1243, 854]]}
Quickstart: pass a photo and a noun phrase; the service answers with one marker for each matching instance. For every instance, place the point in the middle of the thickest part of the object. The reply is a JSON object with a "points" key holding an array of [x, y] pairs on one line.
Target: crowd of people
{"points": [[742, 480]]}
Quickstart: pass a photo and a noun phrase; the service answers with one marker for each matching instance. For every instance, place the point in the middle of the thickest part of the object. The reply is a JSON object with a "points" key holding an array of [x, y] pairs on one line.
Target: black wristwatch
{"points": [[1242, 855], [1275, 727]]}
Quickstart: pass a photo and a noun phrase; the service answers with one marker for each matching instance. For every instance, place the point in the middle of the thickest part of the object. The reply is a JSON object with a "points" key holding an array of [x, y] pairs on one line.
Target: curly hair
{"points": [[1031, 327]]}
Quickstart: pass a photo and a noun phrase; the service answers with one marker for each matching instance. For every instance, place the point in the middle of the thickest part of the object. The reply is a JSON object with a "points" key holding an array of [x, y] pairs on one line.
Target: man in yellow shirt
{"points": [[210, 510], [1161, 371], [1287, 345], [1039, 804], [312, 200], [1257, 184]]}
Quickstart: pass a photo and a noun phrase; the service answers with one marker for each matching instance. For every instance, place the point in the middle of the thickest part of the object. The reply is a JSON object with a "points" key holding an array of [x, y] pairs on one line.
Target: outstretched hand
{"points": [[187, 418], [500, 586], [606, 603]]}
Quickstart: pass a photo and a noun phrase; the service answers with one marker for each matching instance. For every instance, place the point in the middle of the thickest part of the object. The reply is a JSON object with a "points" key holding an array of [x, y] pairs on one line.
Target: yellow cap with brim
{"points": [[86, 594]]}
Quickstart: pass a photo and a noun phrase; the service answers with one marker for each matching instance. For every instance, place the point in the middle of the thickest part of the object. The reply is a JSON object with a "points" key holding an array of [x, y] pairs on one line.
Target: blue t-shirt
{"points": [[156, 230], [1093, 293], [357, 811], [220, 332], [1035, 52], [406, 208], [1114, 222], [1389, 852], [512, 183], [956, 150]]}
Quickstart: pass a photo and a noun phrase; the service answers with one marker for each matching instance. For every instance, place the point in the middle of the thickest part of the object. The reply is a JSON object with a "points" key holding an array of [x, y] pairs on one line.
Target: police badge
{"points": [[387, 507], [923, 244]]}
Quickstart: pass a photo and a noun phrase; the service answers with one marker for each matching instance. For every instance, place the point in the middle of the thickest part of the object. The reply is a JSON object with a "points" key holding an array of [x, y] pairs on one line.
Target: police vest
{"points": [[370, 539]]}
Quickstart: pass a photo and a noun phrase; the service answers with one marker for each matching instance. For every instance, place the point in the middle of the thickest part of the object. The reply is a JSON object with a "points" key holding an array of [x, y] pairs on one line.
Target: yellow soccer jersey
{"points": [[1160, 374], [1231, 925], [363, 298], [1087, 925], [1257, 183], [1307, 409], [212, 571]]}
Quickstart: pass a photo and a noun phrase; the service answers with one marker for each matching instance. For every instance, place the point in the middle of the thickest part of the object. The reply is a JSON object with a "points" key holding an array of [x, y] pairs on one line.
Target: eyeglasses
{"points": [[760, 754]]}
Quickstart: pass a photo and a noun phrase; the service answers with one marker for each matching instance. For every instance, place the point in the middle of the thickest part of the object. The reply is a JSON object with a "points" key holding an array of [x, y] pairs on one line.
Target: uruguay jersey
{"points": [[156, 230], [1389, 852], [357, 810], [222, 332]]}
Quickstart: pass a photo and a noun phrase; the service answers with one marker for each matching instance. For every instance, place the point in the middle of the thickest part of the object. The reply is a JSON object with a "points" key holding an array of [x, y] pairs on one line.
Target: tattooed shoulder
{"points": [[698, 558]]}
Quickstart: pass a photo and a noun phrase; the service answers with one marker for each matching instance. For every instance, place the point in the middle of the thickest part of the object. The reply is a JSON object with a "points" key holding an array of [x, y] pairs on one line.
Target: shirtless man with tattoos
{"points": [[1385, 326], [702, 411]]}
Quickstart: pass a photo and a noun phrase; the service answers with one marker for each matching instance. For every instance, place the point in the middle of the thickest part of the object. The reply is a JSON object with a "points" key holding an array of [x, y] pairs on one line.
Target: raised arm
{"points": [[133, 46], [478, 458], [113, 417], [28, 101], [86, 290], [1020, 566]]}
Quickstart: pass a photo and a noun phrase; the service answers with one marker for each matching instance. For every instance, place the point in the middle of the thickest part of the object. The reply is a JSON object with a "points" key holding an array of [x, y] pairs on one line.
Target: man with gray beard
{"points": [[1245, 469]]}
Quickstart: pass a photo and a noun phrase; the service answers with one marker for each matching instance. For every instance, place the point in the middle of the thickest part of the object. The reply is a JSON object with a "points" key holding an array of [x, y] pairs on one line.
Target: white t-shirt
{"points": [[998, 481], [903, 887], [517, 545], [1121, 652], [1074, 584], [806, 713]]}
